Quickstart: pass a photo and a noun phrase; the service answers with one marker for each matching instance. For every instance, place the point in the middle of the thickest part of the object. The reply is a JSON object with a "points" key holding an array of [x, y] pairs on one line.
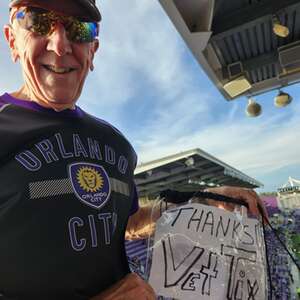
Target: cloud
{"points": [[257, 147], [132, 51]]}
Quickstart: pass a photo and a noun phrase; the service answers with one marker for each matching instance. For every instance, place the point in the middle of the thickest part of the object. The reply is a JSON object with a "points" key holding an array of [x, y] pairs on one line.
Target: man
{"points": [[66, 178]]}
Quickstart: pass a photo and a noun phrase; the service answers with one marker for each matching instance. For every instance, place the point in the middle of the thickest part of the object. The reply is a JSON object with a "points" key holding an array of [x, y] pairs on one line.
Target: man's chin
{"points": [[57, 102], [60, 98]]}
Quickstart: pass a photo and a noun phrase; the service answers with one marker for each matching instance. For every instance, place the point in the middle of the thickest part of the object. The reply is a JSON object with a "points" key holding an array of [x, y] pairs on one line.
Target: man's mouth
{"points": [[58, 70]]}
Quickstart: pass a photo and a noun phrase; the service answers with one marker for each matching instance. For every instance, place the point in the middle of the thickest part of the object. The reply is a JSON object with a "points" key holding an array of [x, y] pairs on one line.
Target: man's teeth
{"points": [[58, 70]]}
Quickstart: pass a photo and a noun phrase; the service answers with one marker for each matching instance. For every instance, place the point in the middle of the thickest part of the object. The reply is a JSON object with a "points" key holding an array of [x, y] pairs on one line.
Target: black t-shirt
{"points": [[66, 192]]}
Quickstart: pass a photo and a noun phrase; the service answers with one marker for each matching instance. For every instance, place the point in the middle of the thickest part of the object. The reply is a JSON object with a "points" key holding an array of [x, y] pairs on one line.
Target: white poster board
{"points": [[204, 252]]}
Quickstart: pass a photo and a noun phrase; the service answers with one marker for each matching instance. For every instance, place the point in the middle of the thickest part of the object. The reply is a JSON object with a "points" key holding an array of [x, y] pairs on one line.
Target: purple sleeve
{"points": [[135, 202]]}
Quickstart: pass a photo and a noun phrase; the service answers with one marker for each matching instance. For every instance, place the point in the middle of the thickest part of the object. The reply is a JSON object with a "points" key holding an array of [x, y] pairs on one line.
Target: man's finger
{"points": [[260, 205]]}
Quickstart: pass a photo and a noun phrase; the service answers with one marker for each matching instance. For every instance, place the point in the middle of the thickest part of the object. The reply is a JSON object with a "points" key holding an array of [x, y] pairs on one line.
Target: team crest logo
{"points": [[90, 183]]}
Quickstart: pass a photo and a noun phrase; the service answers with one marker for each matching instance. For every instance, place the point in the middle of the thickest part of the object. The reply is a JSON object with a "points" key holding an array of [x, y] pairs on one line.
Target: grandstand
{"points": [[189, 170], [284, 213], [284, 274], [289, 194]]}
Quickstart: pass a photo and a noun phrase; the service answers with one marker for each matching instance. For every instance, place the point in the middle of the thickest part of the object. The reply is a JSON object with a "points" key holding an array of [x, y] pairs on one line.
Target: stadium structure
{"points": [[289, 194], [189, 170], [246, 47]]}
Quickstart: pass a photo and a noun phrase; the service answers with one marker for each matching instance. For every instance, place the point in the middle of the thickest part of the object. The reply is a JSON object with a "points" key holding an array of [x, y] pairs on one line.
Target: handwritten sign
{"points": [[204, 252]]}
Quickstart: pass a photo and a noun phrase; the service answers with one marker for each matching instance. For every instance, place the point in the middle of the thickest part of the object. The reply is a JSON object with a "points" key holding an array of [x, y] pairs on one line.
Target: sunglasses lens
{"points": [[82, 32], [34, 22], [41, 23]]}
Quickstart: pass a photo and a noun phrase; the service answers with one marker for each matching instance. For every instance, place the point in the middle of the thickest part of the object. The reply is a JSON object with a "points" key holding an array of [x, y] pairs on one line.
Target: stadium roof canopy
{"points": [[234, 42], [189, 170], [292, 186]]}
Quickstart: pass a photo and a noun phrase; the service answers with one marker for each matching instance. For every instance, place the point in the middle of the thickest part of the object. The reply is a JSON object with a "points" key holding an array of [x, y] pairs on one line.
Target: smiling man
{"points": [[67, 190], [66, 177]]}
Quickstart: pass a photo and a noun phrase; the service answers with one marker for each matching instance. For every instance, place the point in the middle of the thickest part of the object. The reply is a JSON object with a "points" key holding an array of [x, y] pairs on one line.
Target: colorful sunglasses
{"points": [[42, 22]]}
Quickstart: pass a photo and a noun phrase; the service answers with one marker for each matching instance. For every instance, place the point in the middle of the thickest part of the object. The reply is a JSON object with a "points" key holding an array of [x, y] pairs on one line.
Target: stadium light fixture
{"points": [[198, 182], [237, 86], [253, 108], [282, 99], [149, 173], [279, 29], [190, 162]]}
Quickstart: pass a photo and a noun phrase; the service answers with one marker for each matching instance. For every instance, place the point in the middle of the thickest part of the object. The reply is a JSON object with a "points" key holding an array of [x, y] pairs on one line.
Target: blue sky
{"points": [[147, 84]]}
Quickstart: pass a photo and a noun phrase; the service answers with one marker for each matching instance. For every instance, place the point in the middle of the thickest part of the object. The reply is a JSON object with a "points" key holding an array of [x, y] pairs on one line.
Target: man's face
{"points": [[54, 68]]}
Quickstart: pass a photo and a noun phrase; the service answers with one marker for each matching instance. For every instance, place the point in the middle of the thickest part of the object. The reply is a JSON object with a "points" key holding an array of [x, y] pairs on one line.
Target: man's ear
{"points": [[10, 38], [96, 45], [94, 50]]}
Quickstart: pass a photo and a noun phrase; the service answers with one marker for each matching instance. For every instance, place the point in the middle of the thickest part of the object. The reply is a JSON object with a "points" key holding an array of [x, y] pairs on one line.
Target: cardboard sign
{"points": [[204, 252]]}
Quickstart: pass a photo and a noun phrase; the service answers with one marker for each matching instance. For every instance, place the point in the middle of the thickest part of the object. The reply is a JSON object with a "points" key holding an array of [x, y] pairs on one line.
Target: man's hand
{"points": [[247, 195], [142, 223], [132, 287]]}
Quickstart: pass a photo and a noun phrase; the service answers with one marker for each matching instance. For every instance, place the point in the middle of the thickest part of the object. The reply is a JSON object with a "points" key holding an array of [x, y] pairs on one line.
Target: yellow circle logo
{"points": [[89, 179]]}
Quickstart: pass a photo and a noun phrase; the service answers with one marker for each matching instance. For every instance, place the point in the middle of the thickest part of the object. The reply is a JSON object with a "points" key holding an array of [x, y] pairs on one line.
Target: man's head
{"points": [[54, 63]]}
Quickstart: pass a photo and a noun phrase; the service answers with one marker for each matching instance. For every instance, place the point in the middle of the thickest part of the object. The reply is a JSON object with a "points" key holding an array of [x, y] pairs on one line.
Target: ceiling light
{"points": [[237, 86], [149, 173], [279, 29], [282, 99], [198, 182], [190, 162], [253, 108]]}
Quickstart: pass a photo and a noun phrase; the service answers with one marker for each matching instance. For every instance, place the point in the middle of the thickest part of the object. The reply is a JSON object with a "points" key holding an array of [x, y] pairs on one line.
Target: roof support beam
{"points": [[183, 186], [176, 171], [184, 176], [256, 62]]}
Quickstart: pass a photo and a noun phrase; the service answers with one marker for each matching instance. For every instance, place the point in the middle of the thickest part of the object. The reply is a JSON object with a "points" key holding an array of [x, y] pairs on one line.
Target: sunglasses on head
{"points": [[42, 22]]}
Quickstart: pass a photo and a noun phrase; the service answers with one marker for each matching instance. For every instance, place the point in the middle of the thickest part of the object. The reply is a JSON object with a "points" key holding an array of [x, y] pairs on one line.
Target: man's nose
{"points": [[58, 41]]}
